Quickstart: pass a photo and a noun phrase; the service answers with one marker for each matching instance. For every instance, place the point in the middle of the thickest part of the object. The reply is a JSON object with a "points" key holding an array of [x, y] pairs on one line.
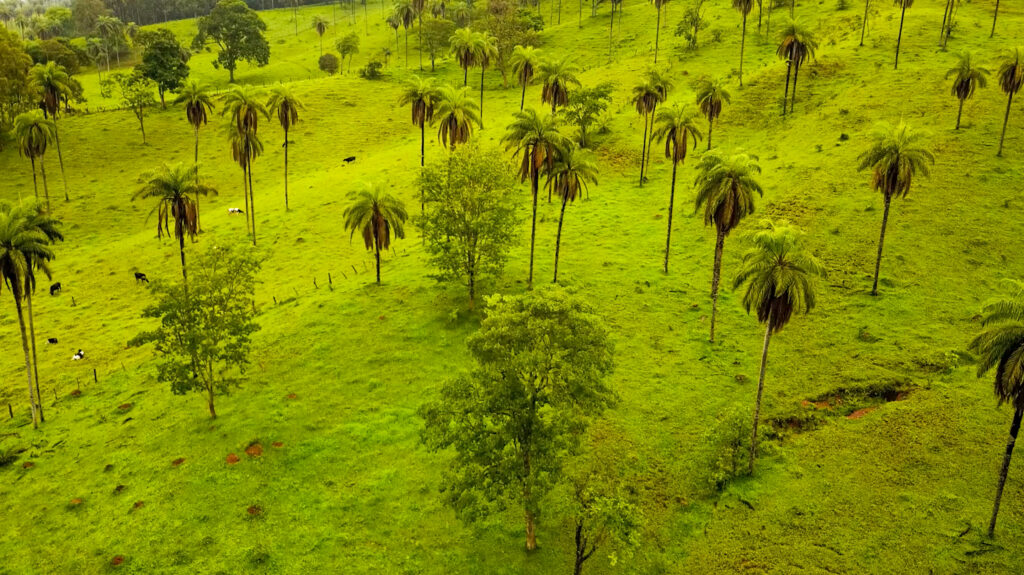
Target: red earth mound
{"points": [[292, 396], [125, 406], [140, 504], [861, 413], [117, 561], [254, 510], [28, 465], [254, 450], [178, 461], [232, 459]]}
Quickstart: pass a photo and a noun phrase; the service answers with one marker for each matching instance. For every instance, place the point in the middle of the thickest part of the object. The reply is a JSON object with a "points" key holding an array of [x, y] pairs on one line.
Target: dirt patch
{"points": [[254, 450], [76, 501], [117, 560], [178, 461], [232, 459], [254, 510], [277, 445], [292, 396], [861, 413], [118, 489], [76, 393], [139, 504], [28, 465], [125, 406]]}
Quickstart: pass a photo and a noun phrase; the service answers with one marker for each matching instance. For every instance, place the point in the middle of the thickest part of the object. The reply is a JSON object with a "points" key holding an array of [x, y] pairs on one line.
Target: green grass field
{"points": [[338, 374]]}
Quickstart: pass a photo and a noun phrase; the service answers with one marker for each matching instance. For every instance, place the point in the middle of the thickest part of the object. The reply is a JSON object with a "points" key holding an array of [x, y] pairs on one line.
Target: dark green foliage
{"points": [[724, 450], [164, 61], [238, 32], [329, 64], [136, 92], [585, 106], [372, 70]]}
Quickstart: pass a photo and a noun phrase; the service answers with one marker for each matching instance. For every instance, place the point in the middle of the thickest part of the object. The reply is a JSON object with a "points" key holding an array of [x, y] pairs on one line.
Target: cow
{"points": [[141, 277], [55, 288], [51, 340], [349, 159], [78, 356], [235, 211]]}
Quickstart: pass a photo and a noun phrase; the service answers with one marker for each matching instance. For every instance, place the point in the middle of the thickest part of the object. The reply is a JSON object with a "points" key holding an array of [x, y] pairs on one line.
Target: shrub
{"points": [[726, 449], [329, 63], [372, 71]]}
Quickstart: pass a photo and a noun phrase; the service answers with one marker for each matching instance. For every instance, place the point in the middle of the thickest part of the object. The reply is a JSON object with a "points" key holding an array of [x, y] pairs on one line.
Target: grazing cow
{"points": [[349, 159], [55, 289], [52, 340], [78, 356], [141, 277], [235, 211]]}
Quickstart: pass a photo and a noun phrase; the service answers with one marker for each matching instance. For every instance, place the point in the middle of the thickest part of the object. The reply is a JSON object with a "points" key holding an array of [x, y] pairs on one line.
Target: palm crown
{"points": [[53, 83], [676, 126], [197, 102], [172, 188], [1001, 346], [244, 108], [536, 138], [376, 215], [557, 76], [34, 133], [456, 113], [572, 169], [725, 189], [524, 62], [796, 43], [895, 158], [1011, 70], [283, 103], [22, 245], [422, 94]]}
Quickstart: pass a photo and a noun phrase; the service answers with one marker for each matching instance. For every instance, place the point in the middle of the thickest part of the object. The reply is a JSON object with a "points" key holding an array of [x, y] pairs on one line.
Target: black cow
{"points": [[55, 289], [141, 277], [349, 159], [52, 340]]}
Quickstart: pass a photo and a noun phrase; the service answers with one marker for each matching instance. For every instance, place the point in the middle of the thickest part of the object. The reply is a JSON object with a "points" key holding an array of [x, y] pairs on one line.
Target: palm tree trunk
{"points": [[522, 100], [482, 70], [657, 34], [994, 16], [181, 250], [959, 112], [899, 37], [465, 76], [881, 240], [419, 38], [864, 22], [46, 188], [796, 74], [406, 48], [743, 41], [716, 275], [671, 207], [377, 255], [199, 223], [581, 15], [643, 152], [28, 362], [252, 206], [35, 181], [1014, 428], [711, 124], [785, 95], [1006, 120], [558, 236], [534, 184], [245, 194], [945, 16], [60, 158], [142, 124], [650, 144], [35, 358], [760, 390], [286, 169]]}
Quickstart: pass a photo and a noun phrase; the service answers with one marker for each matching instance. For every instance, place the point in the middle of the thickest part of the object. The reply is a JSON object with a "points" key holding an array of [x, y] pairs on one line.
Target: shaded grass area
{"points": [[905, 487]]}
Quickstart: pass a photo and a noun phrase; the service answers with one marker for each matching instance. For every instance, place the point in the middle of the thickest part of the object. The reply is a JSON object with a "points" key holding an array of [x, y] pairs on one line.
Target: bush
{"points": [[726, 449], [329, 63], [7, 457], [372, 71]]}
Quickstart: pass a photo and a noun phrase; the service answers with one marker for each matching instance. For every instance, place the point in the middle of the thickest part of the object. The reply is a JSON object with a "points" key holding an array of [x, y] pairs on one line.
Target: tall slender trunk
{"points": [[28, 361], [796, 74], [959, 112], [945, 16], [406, 48], [994, 16], [611, 35], [558, 236], [1014, 428], [35, 357], [650, 144], [899, 37], [1006, 120], [711, 124], [35, 181], [46, 188], [881, 241], [522, 100], [286, 169], [377, 256], [789, 68], [534, 184], [864, 22], [209, 400], [199, 223], [482, 70], [760, 391], [142, 124], [419, 39], [581, 15], [716, 275], [465, 76], [252, 206], [671, 208], [792, 8], [245, 194], [657, 34], [743, 42], [60, 158], [181, 250], [643, 151]]}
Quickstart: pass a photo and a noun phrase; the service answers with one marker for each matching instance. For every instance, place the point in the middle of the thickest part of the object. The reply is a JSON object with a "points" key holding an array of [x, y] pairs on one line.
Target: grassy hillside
{"points": [[905, 487]]}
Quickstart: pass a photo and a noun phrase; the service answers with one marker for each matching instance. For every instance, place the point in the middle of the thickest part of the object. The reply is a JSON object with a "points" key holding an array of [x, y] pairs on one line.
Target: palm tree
{"points": [[779, 276], [51, 80], [405, 15], [524, 61], [422, 96], [112, 31], [894, 158], [1011, 78], [418, 7], [536, 139], [904, 4], [198, 104], [572, 169], [967, 79], [556, 77], [283, 103], [486, 50], [455, 113], [657, 28], [377, 215], [994, 16], [244, 108], [743, 7], [22, 246], [40, 220], [796, 45], [463, 47], [1001, 346], [725, 189], [34, 133], [172, 188], [711, 95], [645, 100], [661, 82], [677, 127], [320, 25]]}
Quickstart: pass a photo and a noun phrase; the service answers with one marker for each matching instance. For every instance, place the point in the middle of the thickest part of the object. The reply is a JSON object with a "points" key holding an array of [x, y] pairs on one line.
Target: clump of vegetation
{"points": [[372, 70], [329, 64], [724, 452]]}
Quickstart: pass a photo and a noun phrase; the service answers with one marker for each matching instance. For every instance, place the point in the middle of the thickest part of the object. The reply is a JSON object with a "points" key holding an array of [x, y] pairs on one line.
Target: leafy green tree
{"points": [[34, 133], [112, 31], [743, 7], [173, 187], [238, 31], [966, 79], [513, 421], [779, 276], [22, 246], [436, 32], [693, 22], [1001, 345], [86, 13], [204, 337], [895, 157], [711, 95], [573, 168], [725, 190], [329, 64], [524, 61], [320, 25], [455, 114], [585, 106], [463, 48], [903, 4], [535, 139], [165, 62], [53, 83], [243, 107], [676, 126], [471, 224], [136, 93], [286, 106], [198, 104], [377, 216], [606, 513], [1011, 78], [557, 76], [348, 46], [796, 45], [421, 95], [16, 92]]}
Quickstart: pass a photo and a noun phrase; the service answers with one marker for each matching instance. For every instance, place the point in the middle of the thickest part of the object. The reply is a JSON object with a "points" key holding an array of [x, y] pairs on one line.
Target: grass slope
{"points": [[906, 488]]}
